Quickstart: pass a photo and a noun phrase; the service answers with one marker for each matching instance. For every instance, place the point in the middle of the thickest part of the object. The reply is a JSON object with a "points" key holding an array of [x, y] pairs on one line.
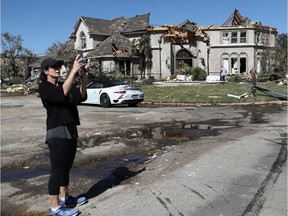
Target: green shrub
{"points": [[115, 74], [236, 78], [263, 76], [131, 80], [148, 81], [197, 74]]}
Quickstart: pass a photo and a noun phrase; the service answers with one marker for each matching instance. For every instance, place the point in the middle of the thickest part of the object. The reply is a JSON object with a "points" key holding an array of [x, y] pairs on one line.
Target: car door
{"points": [[93, 91]]}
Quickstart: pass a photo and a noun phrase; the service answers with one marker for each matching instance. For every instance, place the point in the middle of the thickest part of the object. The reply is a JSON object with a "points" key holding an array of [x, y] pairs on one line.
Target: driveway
{"points": [[181, 160]]}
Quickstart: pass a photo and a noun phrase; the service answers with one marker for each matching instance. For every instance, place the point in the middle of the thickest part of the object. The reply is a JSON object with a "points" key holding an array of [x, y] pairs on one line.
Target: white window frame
{"points": [[233, 38], [225, 37], [243, 39]]}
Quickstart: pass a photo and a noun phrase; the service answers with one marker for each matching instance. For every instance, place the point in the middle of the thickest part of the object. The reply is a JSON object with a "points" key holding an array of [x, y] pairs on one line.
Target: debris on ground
{"points": [[26, 89], [245, 95], [254, 87], [278, 95]]}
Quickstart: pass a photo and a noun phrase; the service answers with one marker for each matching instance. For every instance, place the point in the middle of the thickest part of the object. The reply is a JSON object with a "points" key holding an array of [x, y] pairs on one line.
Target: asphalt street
{"points": [[182, 160]]}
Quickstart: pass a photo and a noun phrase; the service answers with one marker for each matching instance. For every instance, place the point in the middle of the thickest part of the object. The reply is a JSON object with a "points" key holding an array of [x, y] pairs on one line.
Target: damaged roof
{"points": [[116, 43], [108, 27], [183, 33], [236, 20], [95, 26]]}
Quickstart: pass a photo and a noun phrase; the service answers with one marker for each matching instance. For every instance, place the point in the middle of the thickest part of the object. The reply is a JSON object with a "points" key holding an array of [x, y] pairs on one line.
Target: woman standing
{"points": [[60, 101]]}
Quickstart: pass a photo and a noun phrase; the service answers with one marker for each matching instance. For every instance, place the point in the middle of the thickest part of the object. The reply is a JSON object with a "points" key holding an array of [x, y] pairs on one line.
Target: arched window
{"points": [[243, 62], [183, 57], [224, 61], [82, 40], [234, 58]]}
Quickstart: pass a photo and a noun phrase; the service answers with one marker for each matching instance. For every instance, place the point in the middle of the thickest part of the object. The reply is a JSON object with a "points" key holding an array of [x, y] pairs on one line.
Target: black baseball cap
{"points": [[50, 62]]}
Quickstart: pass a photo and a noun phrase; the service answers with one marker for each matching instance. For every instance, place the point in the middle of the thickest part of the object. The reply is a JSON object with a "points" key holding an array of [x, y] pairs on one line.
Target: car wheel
{"points": [[105, 101]]}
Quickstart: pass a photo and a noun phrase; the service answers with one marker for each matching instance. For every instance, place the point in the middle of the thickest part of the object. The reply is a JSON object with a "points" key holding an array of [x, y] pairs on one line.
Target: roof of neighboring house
{"points": [[96, 26], [137, 23], [116, 44], [108, 27]]}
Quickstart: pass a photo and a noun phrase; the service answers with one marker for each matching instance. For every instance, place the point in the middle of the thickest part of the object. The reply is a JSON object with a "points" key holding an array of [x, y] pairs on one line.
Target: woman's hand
{"points": [[78, 63]]}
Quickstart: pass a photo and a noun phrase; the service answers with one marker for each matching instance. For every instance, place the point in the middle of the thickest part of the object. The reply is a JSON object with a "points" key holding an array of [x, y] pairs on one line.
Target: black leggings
{"points": [[62, 155]]}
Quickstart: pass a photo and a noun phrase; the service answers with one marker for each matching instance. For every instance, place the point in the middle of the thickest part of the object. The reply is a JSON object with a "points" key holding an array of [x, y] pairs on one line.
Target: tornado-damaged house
{"points": [[238, 44], [109, 42]]}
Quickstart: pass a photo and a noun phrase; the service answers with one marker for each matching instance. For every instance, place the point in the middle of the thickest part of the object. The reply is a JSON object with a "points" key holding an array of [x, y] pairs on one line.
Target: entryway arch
{"points": [[183, 56]]}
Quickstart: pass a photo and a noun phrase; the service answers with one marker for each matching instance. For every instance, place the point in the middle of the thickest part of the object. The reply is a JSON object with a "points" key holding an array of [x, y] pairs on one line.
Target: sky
{"points": [[44, 22]]}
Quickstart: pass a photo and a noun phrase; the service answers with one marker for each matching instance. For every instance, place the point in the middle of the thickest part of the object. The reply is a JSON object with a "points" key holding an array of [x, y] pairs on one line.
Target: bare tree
{"points": [[15, 58], [274, 62]]}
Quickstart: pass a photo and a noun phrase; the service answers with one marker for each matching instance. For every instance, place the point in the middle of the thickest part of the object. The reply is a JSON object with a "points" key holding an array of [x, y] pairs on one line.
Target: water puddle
{"points": [[107, 167], [11, 105], [17, 175], [162, 134], [103, 170]]}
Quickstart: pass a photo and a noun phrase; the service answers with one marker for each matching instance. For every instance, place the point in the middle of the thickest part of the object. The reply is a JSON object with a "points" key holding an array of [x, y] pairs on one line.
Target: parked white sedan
{"points": [[112, 92]]}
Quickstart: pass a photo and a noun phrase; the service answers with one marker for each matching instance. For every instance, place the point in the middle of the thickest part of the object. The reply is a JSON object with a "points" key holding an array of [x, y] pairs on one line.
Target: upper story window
{"points": [[243, 37], [82, 40], [267, 42], [225, 37], [257, 37], [262, 38], [233, 37]]}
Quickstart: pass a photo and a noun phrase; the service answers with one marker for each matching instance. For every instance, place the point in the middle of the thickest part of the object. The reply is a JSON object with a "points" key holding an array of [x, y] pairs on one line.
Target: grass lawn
{"points": [[209, 93]]}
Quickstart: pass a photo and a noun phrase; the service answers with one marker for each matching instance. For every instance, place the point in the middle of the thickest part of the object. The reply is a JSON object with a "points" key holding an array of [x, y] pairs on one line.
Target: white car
{"points": [[112, 92]]}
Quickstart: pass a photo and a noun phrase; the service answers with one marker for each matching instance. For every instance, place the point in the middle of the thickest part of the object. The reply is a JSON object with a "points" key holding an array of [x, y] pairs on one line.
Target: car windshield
{"points": [[105, 83]]}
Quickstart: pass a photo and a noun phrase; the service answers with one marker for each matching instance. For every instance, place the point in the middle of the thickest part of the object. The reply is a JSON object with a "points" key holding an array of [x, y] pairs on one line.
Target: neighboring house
{"points": [[238, 45], [109, 42]]}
